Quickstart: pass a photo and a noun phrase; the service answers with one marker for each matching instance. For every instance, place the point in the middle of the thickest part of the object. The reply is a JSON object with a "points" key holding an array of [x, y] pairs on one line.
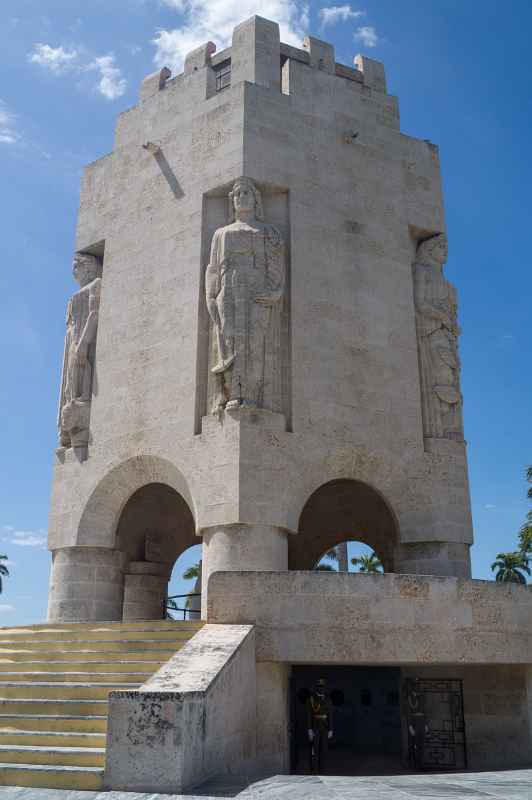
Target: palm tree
{"points": [[192, 572], [324, 568], [370, 564], [510, 568], [525, 533], [4, 572]]}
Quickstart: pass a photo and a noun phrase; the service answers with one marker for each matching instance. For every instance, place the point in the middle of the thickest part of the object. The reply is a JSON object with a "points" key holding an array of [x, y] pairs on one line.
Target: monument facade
{"points": [[273, 369]]}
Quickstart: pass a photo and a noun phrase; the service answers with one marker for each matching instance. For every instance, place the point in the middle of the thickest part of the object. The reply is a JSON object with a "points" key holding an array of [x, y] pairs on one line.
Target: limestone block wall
{"points": [[305, 617]]}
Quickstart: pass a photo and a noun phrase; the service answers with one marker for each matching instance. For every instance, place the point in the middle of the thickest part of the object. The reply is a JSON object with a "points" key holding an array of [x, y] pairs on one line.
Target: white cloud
{"points": [[59, 61], [214, 20], [111, 85], [490, 506], [8, 121], [21, 538], [5, 608], [367, 35], [56, 59], [333, 14]]}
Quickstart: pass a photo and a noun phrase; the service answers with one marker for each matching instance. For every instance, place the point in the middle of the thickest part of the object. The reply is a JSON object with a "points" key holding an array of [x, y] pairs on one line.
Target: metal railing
{"points": [[170, 605]]}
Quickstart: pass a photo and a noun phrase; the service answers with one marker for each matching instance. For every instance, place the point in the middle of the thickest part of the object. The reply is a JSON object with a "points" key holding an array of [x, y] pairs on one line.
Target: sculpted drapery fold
{"points": [[437, 331], [78, 360], [244, 284]]}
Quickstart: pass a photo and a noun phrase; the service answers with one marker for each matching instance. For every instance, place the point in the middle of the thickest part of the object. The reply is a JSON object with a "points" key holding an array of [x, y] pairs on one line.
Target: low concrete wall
{"points": [[313, 617], [196, 717]]}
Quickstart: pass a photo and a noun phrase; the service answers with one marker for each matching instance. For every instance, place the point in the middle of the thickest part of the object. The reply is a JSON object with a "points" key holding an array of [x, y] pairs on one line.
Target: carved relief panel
{"points": [[437, 333], [79, 354], [245, 282]]}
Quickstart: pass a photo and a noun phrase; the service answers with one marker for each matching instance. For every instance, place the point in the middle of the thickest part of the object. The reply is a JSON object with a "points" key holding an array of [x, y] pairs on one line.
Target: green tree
{"points": [[509, 568], [525, 532], [368, 563], [324, 568], [4, 572], [192, 572]]}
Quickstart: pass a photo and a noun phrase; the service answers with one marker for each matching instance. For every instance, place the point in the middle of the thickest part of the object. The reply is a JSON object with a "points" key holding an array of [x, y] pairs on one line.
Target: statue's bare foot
{"points": [[223, 365]]}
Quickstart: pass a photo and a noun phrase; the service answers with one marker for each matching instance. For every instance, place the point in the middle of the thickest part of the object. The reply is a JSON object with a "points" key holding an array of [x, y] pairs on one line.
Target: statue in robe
{"points": [[244, 283], [438, 331], [78, 360]]}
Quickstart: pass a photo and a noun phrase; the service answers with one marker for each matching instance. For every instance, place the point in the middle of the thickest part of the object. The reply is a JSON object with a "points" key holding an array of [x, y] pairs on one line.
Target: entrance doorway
{"points": [[436, 725], [366, 719]]}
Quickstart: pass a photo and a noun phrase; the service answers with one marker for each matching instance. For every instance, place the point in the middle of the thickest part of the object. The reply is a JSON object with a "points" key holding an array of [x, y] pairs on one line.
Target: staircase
{"points": [[54, 684]]}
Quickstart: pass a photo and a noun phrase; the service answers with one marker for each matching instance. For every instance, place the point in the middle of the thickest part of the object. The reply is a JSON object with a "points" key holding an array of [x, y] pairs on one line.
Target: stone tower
{"points": [[262, 357], [263, 350]]}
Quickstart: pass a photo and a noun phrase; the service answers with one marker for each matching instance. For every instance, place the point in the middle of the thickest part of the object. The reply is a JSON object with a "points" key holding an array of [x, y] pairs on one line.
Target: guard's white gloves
{"points": [[310, 735], [330, 735]]}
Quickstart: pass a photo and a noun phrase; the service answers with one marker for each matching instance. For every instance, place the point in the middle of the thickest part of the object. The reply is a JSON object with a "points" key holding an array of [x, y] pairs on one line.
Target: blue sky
{"points": [[461, 69]]}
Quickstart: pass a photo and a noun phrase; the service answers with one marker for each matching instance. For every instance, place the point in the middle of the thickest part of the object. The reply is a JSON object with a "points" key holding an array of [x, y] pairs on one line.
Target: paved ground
{"points": [[511, 785]]}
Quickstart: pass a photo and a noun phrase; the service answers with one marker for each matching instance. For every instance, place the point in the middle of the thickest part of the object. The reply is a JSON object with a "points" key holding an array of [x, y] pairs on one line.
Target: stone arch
{"points": [[99, 520], [155, 527], [341, 510]]}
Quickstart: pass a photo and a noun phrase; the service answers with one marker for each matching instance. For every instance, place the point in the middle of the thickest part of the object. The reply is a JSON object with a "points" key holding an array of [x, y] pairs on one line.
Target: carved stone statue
{"points": [[78, 361], [244, 283], [437, 329]]}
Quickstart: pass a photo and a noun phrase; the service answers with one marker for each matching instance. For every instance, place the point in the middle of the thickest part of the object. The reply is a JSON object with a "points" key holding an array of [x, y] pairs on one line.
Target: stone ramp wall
{"points": [[195, 718]]}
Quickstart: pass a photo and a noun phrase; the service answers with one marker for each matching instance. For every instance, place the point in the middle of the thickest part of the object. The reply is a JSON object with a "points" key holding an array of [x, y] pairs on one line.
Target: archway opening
{"points": [[155, 527], [350, 556], [344, 511], [184, 586]]}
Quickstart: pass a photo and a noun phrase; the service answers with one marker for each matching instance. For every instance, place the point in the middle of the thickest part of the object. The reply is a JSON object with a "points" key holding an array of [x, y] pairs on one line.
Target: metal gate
{"points": [[435, 720]]}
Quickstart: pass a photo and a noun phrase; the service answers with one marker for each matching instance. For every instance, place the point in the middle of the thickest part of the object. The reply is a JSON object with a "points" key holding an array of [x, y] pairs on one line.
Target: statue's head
{"points": [[434, 249], [245, 197], [86, 268]]}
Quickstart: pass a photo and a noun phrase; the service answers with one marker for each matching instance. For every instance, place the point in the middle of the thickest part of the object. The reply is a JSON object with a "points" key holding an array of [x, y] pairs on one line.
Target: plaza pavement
{"points": [[507, 785]]}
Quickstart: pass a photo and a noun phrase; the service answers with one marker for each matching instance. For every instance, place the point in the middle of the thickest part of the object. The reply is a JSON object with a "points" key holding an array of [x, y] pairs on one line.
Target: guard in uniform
{"points": [[319, 726], [418, 729]]}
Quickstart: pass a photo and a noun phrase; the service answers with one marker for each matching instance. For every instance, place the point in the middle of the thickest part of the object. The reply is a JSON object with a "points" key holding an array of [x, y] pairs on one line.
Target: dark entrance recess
{"points": [[366, 719], [435, 721]]}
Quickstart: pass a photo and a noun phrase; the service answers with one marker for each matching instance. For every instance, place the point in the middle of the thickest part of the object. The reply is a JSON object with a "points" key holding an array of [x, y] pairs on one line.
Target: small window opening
{"points": [[223, 75]]}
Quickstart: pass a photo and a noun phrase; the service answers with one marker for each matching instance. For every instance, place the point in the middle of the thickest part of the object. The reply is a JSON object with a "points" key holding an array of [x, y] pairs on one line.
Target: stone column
{"points": [[446, 559], [86, 585], [230, 548]]}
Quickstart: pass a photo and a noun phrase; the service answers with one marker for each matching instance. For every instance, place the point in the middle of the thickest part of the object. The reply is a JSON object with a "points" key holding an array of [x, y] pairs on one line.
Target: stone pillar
{"points": [[145, 589], [446, 559], [86, 585], [229, 548], [256, 53]]}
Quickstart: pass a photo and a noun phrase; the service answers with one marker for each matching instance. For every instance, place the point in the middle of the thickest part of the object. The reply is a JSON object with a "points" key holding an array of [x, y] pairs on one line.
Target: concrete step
{"points": [[52, 668], [96, 723], [42, 706], [93, 646], [113, 678], [89, 657], [54, 687], [43, 738], [53, 756], [100, 635], [41, 690], [55, 777], [52, 628]]}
